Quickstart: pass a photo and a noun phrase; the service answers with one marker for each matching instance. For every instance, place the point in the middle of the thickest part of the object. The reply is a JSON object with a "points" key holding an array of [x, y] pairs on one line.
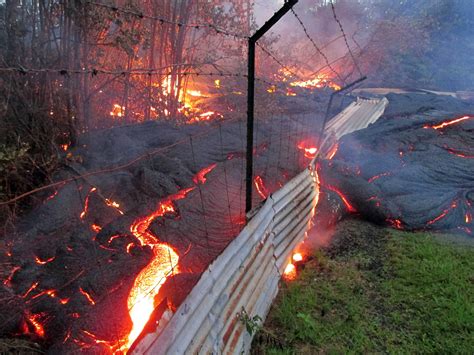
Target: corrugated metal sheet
{"points": [[246, 274]]}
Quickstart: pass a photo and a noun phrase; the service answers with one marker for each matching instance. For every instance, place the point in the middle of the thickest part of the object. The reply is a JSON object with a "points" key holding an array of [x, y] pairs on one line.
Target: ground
{"points": [[377, 290]]}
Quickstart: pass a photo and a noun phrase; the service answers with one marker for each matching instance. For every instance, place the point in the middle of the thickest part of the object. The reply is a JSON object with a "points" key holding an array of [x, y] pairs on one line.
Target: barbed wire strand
{"points": [[316, 46], [163, 20], [345, 38]]}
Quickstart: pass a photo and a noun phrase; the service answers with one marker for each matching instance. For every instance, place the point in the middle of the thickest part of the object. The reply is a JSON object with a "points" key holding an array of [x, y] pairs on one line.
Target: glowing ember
{"points": [[449, 123], [200, 177], [468, 217], [64, 146], [32, 287], [309, 150], [272, 89], [290, 272], [195, 93], [217, 83], [297, 257], [87, 296], [349, 207], [42, 262], [260, 186]]}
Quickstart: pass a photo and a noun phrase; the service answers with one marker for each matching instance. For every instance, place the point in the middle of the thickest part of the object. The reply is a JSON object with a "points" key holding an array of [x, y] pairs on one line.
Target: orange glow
{"points": [[260, 186], [32, 287], [217, 83], [64, 146], [290, 272], [449, 123], [309, 149], [271, 89], [290, 92], [468, 217], [42, 262], [87, 296], [396, 223], [200, 177], [459, 154], [297, 257]]}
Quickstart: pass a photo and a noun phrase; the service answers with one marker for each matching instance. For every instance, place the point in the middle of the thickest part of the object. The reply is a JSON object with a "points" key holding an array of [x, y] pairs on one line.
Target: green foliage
{"points": [[252, 324], [413, 294]]}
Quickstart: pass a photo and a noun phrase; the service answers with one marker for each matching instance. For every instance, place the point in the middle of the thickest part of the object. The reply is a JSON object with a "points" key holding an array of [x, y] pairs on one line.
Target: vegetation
{"points": [[378, 290]]}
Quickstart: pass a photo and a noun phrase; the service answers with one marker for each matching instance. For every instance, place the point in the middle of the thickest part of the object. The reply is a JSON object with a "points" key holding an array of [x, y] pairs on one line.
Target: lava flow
{"points": [[149, 281], [260, 186]]}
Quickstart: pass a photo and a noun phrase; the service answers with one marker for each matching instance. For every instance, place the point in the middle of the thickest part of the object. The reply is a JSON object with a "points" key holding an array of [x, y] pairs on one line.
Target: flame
{"points": [[260, 186], [320, 81], [96, 228], [195, 93], [449, 123], [200, 177], [297, 257], [468, 218], [117, 111], [290, 272], [113, 204]]}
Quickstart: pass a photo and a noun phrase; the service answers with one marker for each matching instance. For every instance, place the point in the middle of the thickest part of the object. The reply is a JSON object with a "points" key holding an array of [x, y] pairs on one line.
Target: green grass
{"points": [[377, 290]]}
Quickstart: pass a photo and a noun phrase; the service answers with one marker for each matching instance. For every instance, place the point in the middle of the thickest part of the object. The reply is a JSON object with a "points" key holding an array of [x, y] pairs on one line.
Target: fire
{"points": [[117, 111], [200, 177], [87, 296], [217, 83], [64, 146], [290, 272], [271, 89], [260, 186], [449, 123], [396, 223], [309, 149], [320, 81], [297, 257], [468, 217]]}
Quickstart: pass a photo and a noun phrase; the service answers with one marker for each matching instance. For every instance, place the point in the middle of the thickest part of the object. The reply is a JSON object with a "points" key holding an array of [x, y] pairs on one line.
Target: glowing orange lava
{"points": [[149, 281], [42, 262], [86, 203], [449, 123], [87, 296], [332, 152], [33, 319], [373, 178]]}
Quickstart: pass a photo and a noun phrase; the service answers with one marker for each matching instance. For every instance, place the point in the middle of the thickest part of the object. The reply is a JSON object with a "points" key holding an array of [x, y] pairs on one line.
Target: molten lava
{"points": [[443, 214], [86, 203], [87, 296], [149, 281], [42, 262], [320, 81], [349, 207], [297, 257]]}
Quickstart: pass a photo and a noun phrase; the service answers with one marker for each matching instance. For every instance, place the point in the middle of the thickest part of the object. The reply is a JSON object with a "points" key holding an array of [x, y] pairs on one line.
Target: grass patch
{"points": [[377, 290]]}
